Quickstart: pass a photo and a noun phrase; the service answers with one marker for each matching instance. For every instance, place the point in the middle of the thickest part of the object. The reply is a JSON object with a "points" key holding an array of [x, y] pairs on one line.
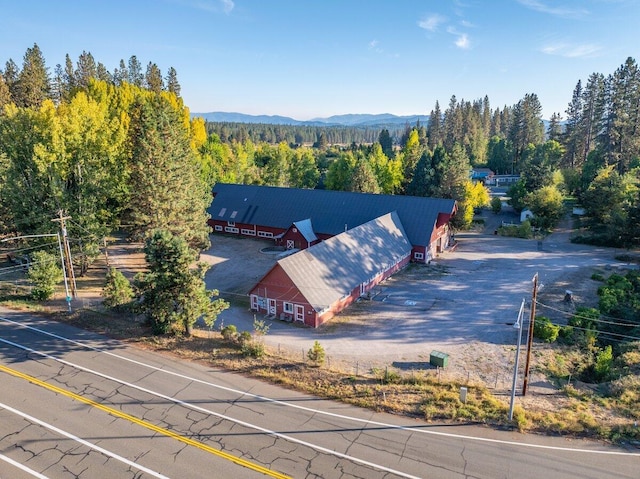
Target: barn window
{"points": [[218, 228], [287, 307], [231, 223], [418, 255]]}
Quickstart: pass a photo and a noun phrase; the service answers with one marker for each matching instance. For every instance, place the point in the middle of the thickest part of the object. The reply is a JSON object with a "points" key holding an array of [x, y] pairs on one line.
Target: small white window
{"points": [[231, 223], [287, 308], [418, 255], [218, 228]]}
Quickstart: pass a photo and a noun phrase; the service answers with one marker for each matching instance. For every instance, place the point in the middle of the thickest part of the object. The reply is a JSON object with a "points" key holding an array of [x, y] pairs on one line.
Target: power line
{"points": [[595, 320]]}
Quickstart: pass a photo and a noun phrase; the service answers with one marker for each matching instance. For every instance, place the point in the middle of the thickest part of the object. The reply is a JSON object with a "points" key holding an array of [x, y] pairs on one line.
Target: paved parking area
{"points": [[463, 304]]}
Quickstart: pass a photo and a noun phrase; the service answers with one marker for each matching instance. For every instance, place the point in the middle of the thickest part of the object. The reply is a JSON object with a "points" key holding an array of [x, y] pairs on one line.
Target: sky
{"points": [[317, 58]]}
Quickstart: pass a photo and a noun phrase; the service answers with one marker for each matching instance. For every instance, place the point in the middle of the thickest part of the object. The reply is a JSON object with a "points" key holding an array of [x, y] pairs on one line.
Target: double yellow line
{"points": [[145, 424]]}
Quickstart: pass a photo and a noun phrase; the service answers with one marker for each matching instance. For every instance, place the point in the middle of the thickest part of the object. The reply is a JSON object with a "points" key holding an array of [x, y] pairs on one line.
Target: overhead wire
{"points": [[588, 318]]}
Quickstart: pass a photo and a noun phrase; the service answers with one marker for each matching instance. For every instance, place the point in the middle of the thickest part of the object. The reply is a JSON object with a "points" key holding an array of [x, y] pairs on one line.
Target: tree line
{"points": [[110, 147]]}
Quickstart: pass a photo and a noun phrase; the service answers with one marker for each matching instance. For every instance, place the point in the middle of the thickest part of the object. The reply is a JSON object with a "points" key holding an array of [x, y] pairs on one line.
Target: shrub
{"points": [[44, 273], [316, 353], [496, 204], [544, 330], [229, 333], [604, 361], [117, 291]]}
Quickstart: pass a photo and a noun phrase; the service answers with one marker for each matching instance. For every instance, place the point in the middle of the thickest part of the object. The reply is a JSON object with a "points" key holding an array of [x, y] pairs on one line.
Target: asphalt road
{"points": [[75, 404]]}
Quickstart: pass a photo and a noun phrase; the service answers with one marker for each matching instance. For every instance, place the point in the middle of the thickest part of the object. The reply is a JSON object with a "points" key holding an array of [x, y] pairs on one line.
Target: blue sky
{"points": [[317, 58]]}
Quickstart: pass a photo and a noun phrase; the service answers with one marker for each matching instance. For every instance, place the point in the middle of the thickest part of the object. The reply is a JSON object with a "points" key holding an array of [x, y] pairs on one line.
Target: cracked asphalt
{"points": [[67, 410]]}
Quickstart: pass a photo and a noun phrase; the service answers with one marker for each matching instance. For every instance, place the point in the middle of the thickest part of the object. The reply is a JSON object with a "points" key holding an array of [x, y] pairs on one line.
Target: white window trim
{"points": [[418, 255], [287, 307]]}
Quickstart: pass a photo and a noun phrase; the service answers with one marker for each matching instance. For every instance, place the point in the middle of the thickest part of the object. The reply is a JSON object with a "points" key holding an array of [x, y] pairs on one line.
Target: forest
{"points": [[110, 148]]}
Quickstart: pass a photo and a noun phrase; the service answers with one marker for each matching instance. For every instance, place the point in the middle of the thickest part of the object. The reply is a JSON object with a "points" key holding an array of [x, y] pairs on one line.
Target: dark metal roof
{"points": [[330, 270], [331, 212]]}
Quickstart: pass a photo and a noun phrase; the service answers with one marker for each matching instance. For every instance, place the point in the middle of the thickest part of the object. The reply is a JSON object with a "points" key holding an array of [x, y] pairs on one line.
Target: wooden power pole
{"points": [[532, 319], [67, 252]]}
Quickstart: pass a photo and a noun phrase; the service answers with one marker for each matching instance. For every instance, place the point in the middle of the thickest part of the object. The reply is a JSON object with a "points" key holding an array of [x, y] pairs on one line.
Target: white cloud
{"points": [[227, 5], [373, 43], [432, 22], [463, 41], [567, 50], [556, 10]]}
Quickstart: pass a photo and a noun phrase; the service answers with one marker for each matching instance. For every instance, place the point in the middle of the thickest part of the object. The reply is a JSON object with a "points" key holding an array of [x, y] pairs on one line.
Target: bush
{"points": [[316, 353], [496, 204], [229, 333], [117, 291], [43, 274], [544, 330]]}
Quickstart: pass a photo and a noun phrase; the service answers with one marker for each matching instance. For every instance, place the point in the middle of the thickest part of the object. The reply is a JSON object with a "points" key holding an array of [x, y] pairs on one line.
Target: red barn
{"points": [[313, 285], [274, 213]]}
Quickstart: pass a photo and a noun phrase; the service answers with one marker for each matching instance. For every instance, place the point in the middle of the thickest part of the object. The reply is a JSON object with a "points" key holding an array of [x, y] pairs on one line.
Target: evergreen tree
{"points": [[121, 74], [554, 131], [34, 86], [5, 95], [573, 133], [103, 74], [10, 74], [422, 183], [153, 78], [136, 77], [172, 83], [69, 77], [593, 108], [434, 128], [526, 127], [173, 294], [167, 191], [622, 141], [386, 143], [58, 85], [363, 179], [85, 70]]}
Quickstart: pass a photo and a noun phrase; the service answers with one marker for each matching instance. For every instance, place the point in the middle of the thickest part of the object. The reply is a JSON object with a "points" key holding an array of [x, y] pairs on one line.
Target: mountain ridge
{"points": [[362, 120]]}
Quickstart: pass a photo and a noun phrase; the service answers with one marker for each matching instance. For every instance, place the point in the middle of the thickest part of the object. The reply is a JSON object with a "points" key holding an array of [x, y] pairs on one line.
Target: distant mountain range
{"points": [[353, 120]]}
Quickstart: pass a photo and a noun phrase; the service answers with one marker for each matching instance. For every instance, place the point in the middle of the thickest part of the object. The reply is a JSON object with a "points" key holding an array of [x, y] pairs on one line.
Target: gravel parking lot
{"points": [[463, 304]]}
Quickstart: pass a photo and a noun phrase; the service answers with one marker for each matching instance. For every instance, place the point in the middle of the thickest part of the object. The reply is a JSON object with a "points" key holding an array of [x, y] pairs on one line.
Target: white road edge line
{"points": [[320, 412], [22, 466], [213, 413], [82, 441]]}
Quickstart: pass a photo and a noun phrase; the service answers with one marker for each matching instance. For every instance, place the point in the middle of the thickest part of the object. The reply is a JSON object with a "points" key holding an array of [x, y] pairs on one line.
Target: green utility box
{"points": [[439, 359]]}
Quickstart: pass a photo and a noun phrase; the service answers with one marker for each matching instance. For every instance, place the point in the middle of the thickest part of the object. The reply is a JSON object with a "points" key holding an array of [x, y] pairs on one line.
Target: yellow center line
{"points": [[145, 424]]}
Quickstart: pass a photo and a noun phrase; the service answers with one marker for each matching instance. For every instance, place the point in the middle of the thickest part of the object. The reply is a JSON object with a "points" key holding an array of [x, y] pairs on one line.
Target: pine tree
{"points": [[554, 131], [363, 179], [386, 143], [167, 191], [136, 77], [434, 129], [34, 86], [5, 95], [153, 78], [85, 70], [422, 183], [172, 293], [573, 133], [121, 74], [11, 73], [172, 83]]}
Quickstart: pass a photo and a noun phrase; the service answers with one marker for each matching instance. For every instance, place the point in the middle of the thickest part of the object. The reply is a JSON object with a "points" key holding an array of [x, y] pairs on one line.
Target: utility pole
{"points": [[518, 325], [67, 253], [532, 319]]}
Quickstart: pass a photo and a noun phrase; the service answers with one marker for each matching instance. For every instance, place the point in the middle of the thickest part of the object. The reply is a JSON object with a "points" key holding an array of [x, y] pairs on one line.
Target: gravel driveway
{"points": [[463, 304]]}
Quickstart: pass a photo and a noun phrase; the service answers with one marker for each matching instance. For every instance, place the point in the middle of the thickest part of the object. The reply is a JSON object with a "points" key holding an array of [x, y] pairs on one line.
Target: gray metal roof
{"points": [[306, 230], [330, 270], [331, 212]]}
